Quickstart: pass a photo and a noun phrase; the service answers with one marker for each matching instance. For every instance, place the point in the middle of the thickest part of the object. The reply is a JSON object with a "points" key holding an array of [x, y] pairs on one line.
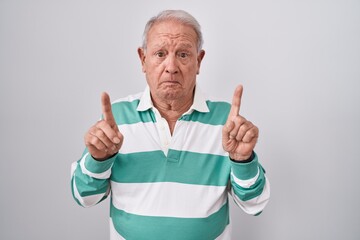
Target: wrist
{"points": [[104, 159], [97, 167], [241, 158]]}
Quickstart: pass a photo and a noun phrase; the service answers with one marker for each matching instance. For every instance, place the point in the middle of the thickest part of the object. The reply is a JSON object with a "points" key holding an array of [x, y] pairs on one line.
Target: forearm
{"points": [[90, 180], [250, 187]]}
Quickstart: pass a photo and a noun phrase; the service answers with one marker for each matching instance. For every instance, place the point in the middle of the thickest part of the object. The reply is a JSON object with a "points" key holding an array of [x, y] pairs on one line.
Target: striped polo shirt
{"points": [[165, 186]]}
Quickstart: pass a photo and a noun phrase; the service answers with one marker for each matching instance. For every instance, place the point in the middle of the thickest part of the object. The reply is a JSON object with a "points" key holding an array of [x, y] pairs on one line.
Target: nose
{"points": [[171, 65]]}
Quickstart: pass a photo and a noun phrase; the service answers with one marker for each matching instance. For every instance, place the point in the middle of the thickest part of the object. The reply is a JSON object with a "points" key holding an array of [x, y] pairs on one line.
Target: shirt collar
{"points": [[199, 103]]}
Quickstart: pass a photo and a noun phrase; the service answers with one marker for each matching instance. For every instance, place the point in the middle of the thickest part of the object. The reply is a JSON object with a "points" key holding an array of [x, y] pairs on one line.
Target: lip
{"points": [[170, 82]]}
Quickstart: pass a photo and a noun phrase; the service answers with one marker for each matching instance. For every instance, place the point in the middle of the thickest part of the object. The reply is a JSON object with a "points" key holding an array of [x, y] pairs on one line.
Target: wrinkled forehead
{"points": [[172, 31]]}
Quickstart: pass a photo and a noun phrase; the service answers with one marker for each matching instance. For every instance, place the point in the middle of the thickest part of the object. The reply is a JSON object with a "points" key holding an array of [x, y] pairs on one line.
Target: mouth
{"points": [[170, 82]]}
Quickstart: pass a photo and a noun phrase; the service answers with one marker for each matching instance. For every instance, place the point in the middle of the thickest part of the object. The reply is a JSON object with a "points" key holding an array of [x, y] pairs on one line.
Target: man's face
{"points": [[171, 61]]}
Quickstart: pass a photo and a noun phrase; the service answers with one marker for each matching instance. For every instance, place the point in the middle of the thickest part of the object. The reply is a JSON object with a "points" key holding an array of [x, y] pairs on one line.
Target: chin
{"points": [[171, 94]]}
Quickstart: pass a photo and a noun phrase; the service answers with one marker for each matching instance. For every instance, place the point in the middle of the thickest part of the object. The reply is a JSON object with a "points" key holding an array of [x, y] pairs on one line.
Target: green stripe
{"points": [[217, 116], [179, 166], [87, 185], [245, 171], [131, 226], [255, 190], [126, 113]]}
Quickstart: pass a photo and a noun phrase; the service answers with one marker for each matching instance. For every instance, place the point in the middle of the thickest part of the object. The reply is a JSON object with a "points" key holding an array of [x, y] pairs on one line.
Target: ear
{"points": [[199, 60], [141, 54]]}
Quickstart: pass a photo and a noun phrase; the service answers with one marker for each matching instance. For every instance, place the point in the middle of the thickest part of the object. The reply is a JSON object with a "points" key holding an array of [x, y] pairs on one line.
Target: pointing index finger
{"points": [[106, 109], [236, 101]]}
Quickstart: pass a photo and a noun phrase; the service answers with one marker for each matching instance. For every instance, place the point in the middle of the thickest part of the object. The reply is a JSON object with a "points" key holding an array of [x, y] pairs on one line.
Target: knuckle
{"points": [[242, 119], [99, 133], [92, 129], [243, 127], [94, 141], [100, 123], [238, 119], [97, 143], [251, 134], [233, 133]]}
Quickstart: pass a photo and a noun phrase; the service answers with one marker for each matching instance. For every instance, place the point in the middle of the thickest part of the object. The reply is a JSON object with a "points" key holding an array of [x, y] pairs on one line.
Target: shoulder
{"points": [[218, 111], [124, 109], [128, 99], [217, 105]]}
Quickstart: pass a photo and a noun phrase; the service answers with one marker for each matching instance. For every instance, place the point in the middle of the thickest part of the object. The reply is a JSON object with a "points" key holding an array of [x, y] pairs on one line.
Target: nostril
{"points": [[171, 71]]}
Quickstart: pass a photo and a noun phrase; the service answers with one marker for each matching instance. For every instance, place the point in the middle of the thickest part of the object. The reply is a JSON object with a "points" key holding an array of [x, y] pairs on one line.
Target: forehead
{"points": [[171, 31]]}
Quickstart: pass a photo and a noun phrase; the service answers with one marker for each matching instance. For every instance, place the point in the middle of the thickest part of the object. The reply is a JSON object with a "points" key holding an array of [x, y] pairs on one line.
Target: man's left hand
{"points": [[239, 136]]}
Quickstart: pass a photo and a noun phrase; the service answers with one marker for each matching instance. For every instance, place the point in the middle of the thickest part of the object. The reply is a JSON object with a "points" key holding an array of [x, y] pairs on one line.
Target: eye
{"points": [[183, 54], [160, 54]]}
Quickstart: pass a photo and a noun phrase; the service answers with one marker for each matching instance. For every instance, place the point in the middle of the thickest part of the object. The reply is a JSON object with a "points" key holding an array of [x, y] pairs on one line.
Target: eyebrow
{"points": [[181, 45], [185, 45]]}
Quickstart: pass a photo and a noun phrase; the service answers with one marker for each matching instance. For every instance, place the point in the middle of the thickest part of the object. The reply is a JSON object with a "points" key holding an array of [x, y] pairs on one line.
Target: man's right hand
{"points": [[104, 139]]}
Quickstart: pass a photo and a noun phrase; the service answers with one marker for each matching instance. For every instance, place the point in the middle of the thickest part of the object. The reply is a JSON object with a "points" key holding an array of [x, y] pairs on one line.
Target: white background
{"points": [[299, 62]]}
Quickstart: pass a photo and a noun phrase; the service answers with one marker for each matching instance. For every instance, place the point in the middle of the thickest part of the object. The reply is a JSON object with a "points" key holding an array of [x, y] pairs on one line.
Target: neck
{"points": [[173, 109]]}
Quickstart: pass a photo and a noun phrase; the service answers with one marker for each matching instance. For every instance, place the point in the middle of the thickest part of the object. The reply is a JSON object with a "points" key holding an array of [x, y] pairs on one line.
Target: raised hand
{"points": [[104, 138], [239, 136]]}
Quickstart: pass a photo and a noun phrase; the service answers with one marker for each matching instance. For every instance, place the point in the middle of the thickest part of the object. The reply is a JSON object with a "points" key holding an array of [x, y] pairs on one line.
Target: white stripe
{"points": [[199, 133], [254, 205], [73, 168], [104, 175], [114, 235], [129, 98], [246, 183], [139, 137], [144, 137], [226, 234], [168, 199], [87, 201]]}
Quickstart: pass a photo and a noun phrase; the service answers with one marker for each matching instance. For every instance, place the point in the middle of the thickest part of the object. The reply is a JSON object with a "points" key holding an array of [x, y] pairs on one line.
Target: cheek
{"points": [[190, 69], [153, 72]]}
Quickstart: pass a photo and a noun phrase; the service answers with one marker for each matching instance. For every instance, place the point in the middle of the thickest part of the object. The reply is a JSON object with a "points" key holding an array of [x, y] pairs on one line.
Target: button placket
{"points": [[164, 132]]}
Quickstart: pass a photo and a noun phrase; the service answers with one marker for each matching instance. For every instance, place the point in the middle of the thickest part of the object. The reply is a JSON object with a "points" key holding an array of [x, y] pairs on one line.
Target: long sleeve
{"points": [[90, 180], [250, 187]]}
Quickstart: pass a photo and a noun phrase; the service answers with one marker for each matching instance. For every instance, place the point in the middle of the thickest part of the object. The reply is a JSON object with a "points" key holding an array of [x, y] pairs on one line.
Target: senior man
{"points": [[169, 156]]}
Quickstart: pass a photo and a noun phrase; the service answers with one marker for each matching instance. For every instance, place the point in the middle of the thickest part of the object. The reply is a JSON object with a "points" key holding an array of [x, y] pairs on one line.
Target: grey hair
{"points": [[175, 15]]}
